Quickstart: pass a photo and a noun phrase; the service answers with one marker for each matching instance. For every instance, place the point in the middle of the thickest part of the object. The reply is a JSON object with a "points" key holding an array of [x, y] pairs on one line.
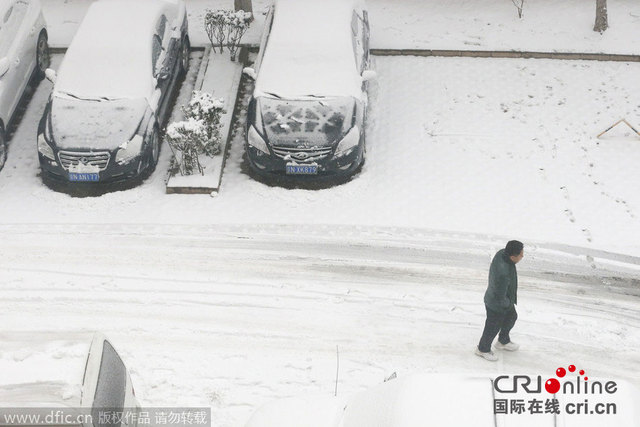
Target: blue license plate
{"points": [[302, 169], [84, 177]]}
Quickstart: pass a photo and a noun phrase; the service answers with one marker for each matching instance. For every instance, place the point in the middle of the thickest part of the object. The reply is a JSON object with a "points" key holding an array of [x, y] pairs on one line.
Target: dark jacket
{"points": [[502, 292]]}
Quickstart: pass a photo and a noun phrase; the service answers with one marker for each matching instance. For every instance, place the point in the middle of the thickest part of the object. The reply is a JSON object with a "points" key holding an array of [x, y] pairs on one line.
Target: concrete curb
{"points": [[221, 79], [507, 54]]}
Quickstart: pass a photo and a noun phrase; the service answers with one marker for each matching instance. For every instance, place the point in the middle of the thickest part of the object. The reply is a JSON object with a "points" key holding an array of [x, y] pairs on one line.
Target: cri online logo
{"points": [[579, 385], [552, 385]]}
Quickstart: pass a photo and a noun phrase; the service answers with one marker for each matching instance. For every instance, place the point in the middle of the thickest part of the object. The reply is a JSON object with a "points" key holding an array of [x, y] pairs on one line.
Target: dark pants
{"points": [[497, 322]]}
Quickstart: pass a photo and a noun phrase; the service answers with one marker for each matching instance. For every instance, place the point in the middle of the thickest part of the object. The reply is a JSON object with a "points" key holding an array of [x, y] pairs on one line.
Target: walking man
{"points": [[500, 300]]}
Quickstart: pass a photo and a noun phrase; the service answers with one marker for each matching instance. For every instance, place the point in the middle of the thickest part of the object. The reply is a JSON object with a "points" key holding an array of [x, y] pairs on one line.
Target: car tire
{"points": [[184, 56], [3, 149], [154, 150], [43, 59]]}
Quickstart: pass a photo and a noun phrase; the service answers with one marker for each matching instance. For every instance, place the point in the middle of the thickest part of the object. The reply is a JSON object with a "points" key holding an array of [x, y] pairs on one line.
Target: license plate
{"points": [[302, 169], [83, 177]]}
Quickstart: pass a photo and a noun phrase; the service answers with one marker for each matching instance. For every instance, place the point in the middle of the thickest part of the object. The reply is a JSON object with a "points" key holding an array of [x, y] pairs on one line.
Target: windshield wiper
{"points": [[275, 95], [97, 99]]}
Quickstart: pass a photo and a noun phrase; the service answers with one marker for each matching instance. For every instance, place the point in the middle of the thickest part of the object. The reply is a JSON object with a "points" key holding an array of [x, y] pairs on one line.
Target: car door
{"points": [[14, 38], [168, 41], [22, 58], [31, 37], [106, 386]]}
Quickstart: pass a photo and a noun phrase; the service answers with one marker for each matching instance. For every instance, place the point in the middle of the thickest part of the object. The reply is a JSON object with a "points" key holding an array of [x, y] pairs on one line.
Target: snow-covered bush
{"points": [[186, 140], [228, 25], [198, 134], [238, 24], [214, 25], [208, 109], [519, 4]]}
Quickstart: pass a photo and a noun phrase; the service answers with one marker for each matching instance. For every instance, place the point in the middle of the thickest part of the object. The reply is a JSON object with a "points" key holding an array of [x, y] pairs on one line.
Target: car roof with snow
{"points": [[54, 370], [110, 55], [433, 399], [310, 51], [43, 368]]}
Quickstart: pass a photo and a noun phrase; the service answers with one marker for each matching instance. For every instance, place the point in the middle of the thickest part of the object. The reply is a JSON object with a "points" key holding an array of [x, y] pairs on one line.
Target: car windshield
{"points": [[321, 119]]}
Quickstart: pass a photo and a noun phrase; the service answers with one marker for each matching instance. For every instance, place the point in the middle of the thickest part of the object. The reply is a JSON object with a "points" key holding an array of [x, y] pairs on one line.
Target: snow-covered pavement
{"points": [[498, 147], [432, 24], [236, 300], [233, 317]]}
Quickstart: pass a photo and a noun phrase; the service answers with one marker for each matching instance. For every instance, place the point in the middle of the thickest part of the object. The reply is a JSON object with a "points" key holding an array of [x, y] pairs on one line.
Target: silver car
{"points": [[24, 54], [78, 375]]}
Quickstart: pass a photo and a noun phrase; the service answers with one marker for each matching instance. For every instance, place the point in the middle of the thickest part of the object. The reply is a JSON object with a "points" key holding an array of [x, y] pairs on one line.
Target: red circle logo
{"points": [[552, 385]]}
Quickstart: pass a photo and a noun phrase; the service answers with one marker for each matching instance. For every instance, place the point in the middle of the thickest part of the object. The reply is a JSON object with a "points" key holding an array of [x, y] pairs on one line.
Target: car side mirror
{"points": [[162, 75], [250, 72], [51, 75], [4, 66], [368, 75]]}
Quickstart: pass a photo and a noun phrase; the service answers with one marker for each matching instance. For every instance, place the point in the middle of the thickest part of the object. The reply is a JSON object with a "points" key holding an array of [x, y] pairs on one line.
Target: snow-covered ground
{"points": [[547, 25], [236, 300], [235, 316], [501, 147]]}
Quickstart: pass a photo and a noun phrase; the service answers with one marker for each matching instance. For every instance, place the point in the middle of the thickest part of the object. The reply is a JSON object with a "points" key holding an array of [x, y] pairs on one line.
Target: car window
{"points": [[10, 23], [156, 50], [365, 37], [161, 27], [357, 33], [111, 387], [265, 37]]}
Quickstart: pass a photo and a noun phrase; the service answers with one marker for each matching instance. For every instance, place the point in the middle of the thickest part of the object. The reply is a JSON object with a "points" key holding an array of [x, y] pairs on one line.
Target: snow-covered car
{"points": [[78, 373], [24, 54], [308, 110], [111, 96], [449, 400]]}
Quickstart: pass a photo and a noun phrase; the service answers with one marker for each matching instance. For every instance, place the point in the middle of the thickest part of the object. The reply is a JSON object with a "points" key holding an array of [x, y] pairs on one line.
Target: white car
{"points": [[451, 400], [77, 373], [23, 52]]}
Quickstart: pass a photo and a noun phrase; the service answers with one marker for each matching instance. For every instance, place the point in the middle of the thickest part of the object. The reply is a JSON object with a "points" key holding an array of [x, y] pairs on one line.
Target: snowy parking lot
{"points": [[235, 300], [495, 146]]}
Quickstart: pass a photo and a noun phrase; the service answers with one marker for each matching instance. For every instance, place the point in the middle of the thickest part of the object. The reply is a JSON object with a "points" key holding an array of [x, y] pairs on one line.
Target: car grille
{"points": [[90, 158], [303, 155]]}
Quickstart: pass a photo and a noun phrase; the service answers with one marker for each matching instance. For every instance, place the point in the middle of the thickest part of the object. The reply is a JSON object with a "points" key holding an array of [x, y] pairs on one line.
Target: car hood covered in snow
{"points": [[95, 124]]}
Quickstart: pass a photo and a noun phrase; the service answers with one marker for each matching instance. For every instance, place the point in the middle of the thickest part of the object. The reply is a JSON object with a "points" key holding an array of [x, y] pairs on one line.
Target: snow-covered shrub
{"points": [[186, 139], [238, 24], [198, 134], [208, 109], [228, 25], [215, 26], [519, 4]]}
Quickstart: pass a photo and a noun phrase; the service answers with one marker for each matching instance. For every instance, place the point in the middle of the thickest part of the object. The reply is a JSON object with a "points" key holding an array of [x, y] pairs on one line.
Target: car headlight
{"points": [[129, 150], [44, 148], [255, 140], [349, 141]]}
